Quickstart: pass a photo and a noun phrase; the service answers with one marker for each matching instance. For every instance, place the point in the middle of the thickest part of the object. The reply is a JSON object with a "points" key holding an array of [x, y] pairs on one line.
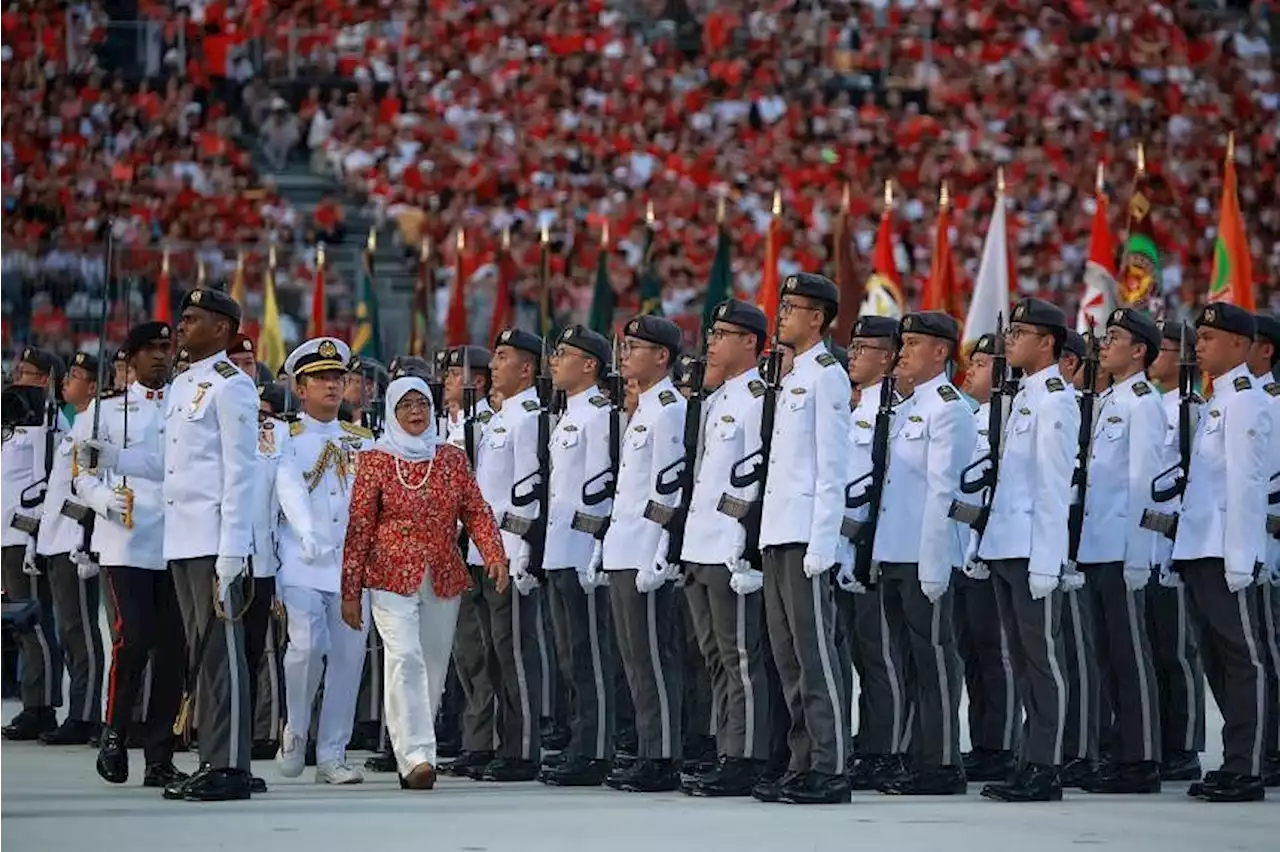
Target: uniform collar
{"points": [[1140, 376], [141, 391], [740, 381], [809, 355], [937, 380], [651, 395], [320, 425], [1037, 380], [530, 392], [582, 399], [206, 363], [1228, 379]]}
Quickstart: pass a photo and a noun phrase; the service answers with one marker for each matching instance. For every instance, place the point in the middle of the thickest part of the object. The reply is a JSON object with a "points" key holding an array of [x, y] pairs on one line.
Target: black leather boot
{"points": [[30, 724], [509, 769], [1229, 787], [733, 776], [653, 776], [1140, 777], [1036, 782], [1181, 766], [928, 781], [113, 758], [70, 732], [818, 788]]}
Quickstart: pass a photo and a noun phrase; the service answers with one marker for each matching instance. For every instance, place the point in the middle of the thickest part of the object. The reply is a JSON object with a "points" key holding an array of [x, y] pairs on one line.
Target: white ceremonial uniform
{"points": [[59, 533], [272, 438], [314, 479], [653, 441], [455, 431], [1171, 402], [21, 464], [579, 451], [507, 455]]}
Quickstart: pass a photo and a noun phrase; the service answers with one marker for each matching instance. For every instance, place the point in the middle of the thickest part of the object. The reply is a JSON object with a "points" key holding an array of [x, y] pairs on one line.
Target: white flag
{"points": [[881, 299], [991, 290], [1099, 298]]}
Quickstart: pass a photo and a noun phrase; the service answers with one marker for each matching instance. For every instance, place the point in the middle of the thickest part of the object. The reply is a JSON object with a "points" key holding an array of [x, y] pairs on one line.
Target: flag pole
{"points": [[544, 283]]}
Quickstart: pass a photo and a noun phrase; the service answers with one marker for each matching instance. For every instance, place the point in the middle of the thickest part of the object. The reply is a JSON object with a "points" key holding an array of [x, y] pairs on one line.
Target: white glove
{"points": [[85, 566], [848, 582], [746, 582], [520, 576], [1136, 577], [649, 580], [29, 566], [1238, 582], [933, 590], [310, 548], [1041, 585], [592, 577], [228, 569], [1169, 578], [737, 548], [108, 454], [976, 569], [1072, 579], [116, 506], [815, 565]]}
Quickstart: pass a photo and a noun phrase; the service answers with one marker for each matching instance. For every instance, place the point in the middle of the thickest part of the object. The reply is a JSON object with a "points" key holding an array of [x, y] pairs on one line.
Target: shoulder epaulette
{"points": [[1242, 383], [295, 428], [484, 416], [226, 369], [357, 430], [1141, 388], [756, 387], [1054, 384], [112, 394], [1272, 388], [531, 405], [826, 359], [599, 401], [948, 393], [667, 397]]}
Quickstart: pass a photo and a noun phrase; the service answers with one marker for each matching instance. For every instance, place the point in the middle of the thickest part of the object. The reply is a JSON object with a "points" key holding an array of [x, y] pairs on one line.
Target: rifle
{"points": [[373, 411], [1166, 523], [754, 468], [537, 485], [1273, 498], [863, 533], [1004, 385], [468, 408], [1084, 441], [435, 385], [27, 523], [604, 484], [678, 476]]}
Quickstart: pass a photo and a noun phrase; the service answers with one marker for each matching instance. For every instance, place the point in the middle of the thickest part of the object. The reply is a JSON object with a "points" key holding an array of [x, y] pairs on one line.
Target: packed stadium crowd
{"points": [[508, 115]]}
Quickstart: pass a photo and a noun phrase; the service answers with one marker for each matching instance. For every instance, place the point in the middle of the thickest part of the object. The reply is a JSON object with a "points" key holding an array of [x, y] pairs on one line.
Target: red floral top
{"points": [[395, 533]]}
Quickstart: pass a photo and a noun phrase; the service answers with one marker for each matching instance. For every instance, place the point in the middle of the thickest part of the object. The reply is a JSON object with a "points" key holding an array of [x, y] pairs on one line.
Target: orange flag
{"points": [[1232, 279], [163, 310], [767, 297], [940, 292]]}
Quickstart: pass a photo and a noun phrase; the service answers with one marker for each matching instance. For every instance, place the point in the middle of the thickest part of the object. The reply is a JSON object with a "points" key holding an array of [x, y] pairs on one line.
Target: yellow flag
{"points": [[270, 340]]}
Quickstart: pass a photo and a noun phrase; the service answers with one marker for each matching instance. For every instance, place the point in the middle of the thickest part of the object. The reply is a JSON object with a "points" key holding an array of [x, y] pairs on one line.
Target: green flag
{"points": [[602, 297], [720, 284], [367, 339], [650, 284], [1139, 282]]}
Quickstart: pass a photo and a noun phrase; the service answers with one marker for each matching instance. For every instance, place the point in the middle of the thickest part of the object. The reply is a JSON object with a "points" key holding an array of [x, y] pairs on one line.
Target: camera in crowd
{"points": [[21, 406]]}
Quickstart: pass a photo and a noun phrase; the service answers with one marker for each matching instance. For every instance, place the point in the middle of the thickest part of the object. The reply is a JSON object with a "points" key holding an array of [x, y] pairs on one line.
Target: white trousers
{"points": [[417, 638], [320, 643]]}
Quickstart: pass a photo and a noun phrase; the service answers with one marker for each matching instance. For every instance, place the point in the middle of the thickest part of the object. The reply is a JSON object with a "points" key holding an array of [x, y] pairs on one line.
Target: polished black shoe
{"points": [[470, 764], [873, 771], [818, 788], [30, 724], [162, 775], [309, 756], [769, 787], [928, 781], [1229, 787], [626, 744], [576, 772], [113, 758], [257, 784], [732, 776], [1121, 778], [176, 789], [264, 749], [1076, 771], [699, 754], [1271, 770], [364, 737], [983, 764], [217, 785], [1035, 782], [553, 759], [448, 738], [555, 737], [383, 761], [508, 769], [1181, 766], [653, 776], [70, 732], [619, 771]]}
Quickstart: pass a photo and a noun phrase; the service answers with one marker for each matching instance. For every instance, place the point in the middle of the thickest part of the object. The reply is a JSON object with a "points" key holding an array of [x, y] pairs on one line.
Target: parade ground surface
{"points": [[53, 801]]}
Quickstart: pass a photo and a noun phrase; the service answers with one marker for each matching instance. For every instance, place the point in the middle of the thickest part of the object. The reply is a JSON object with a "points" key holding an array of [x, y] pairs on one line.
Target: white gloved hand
{"points": [[1169, 578], [934, 590], [1041, 585], [228, 569], [85, 566], [108, 454], [746, 582], [815, 565], [976, 569], [737, 547], [117, 505], [520, 576], [1136, 577], [1238, 581], [649, 579], [592, 577], [1072, 580], [29, 566], [848, 582], [310, 547]]}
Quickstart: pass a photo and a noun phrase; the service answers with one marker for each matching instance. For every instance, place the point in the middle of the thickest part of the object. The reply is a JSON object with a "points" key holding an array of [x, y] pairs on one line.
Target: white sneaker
{"points": [[293, 755], [338, 772]]}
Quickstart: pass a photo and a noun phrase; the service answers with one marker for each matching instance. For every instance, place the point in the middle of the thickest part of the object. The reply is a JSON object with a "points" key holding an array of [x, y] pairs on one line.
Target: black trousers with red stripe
{"points": [[148, 626]]}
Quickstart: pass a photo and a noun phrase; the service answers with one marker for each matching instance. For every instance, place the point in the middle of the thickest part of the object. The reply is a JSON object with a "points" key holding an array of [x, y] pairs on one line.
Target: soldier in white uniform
{"points": [[1025, 542], [1171, 626], [1115, 554], [147, 619], [1221, 544], [642, 591], [313, 485], [23, 469], [579, 600], [73, 578], [210, 437], [799, 537], [917, 546]]}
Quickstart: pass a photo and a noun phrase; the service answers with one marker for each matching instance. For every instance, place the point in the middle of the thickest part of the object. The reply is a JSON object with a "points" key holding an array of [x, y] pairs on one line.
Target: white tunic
{"points": [[579, 451]]}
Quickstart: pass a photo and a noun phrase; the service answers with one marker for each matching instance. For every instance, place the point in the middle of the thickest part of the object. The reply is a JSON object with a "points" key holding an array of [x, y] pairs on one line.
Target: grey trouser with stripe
{"points": [[553, 697], [369, 700], [800, 612], [1229, 630], [702, 712], [731, 634], [262, 654], [651, 646], [41, 678], [1175, 652], [476, 663], [75, 609], [1124, 652], [995, 707], [506, 625], [1269, 627], [1084, 686], [1034, 628], [223, 715], [849, 662], [585, 651], [885, 706]]}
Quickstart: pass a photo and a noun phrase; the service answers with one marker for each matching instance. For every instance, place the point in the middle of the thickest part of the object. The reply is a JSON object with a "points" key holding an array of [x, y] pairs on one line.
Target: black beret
{"points": [[85, 361], [1268, 329], [43, 360], [1039, 312], [517, 339], [409, 365], [1172, 331], [811, 286], [742, 314], [986, 345], [1138, 323], [590, 342], [145, 333], [214, 301], [369, 366], [276, 395], [1074, 344], [657, 330], [933, 323], [875, 326], [840, 354], [476, 356], [1225, 316]]}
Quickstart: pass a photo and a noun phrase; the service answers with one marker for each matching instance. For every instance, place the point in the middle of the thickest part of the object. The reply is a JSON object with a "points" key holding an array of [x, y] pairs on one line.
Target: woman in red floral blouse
{"points": [[410, 493]]}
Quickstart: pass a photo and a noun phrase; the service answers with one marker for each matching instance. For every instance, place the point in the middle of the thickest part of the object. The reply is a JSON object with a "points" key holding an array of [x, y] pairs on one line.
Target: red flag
{"points": [[456, 331], [163, 310], [503, 303], [940, 292], [882, 294], [316, 327], [767, 297], [1232, 279], [849, 287]]}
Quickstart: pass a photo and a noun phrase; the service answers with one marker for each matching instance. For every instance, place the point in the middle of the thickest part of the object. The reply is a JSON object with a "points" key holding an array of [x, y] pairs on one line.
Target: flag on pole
{"points": [[420, 307], [846, 276], [1232, 279], [1139, 284], [768, 297], [367, 339], [720, 282], [941, 292], [237, 279], [504, 307], [1099, 298], [600, 318], [546, 316], [457, 332], [650, 282], [315, 328], [163, 304], [995, 275], [270, 340], [883, 293]]}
